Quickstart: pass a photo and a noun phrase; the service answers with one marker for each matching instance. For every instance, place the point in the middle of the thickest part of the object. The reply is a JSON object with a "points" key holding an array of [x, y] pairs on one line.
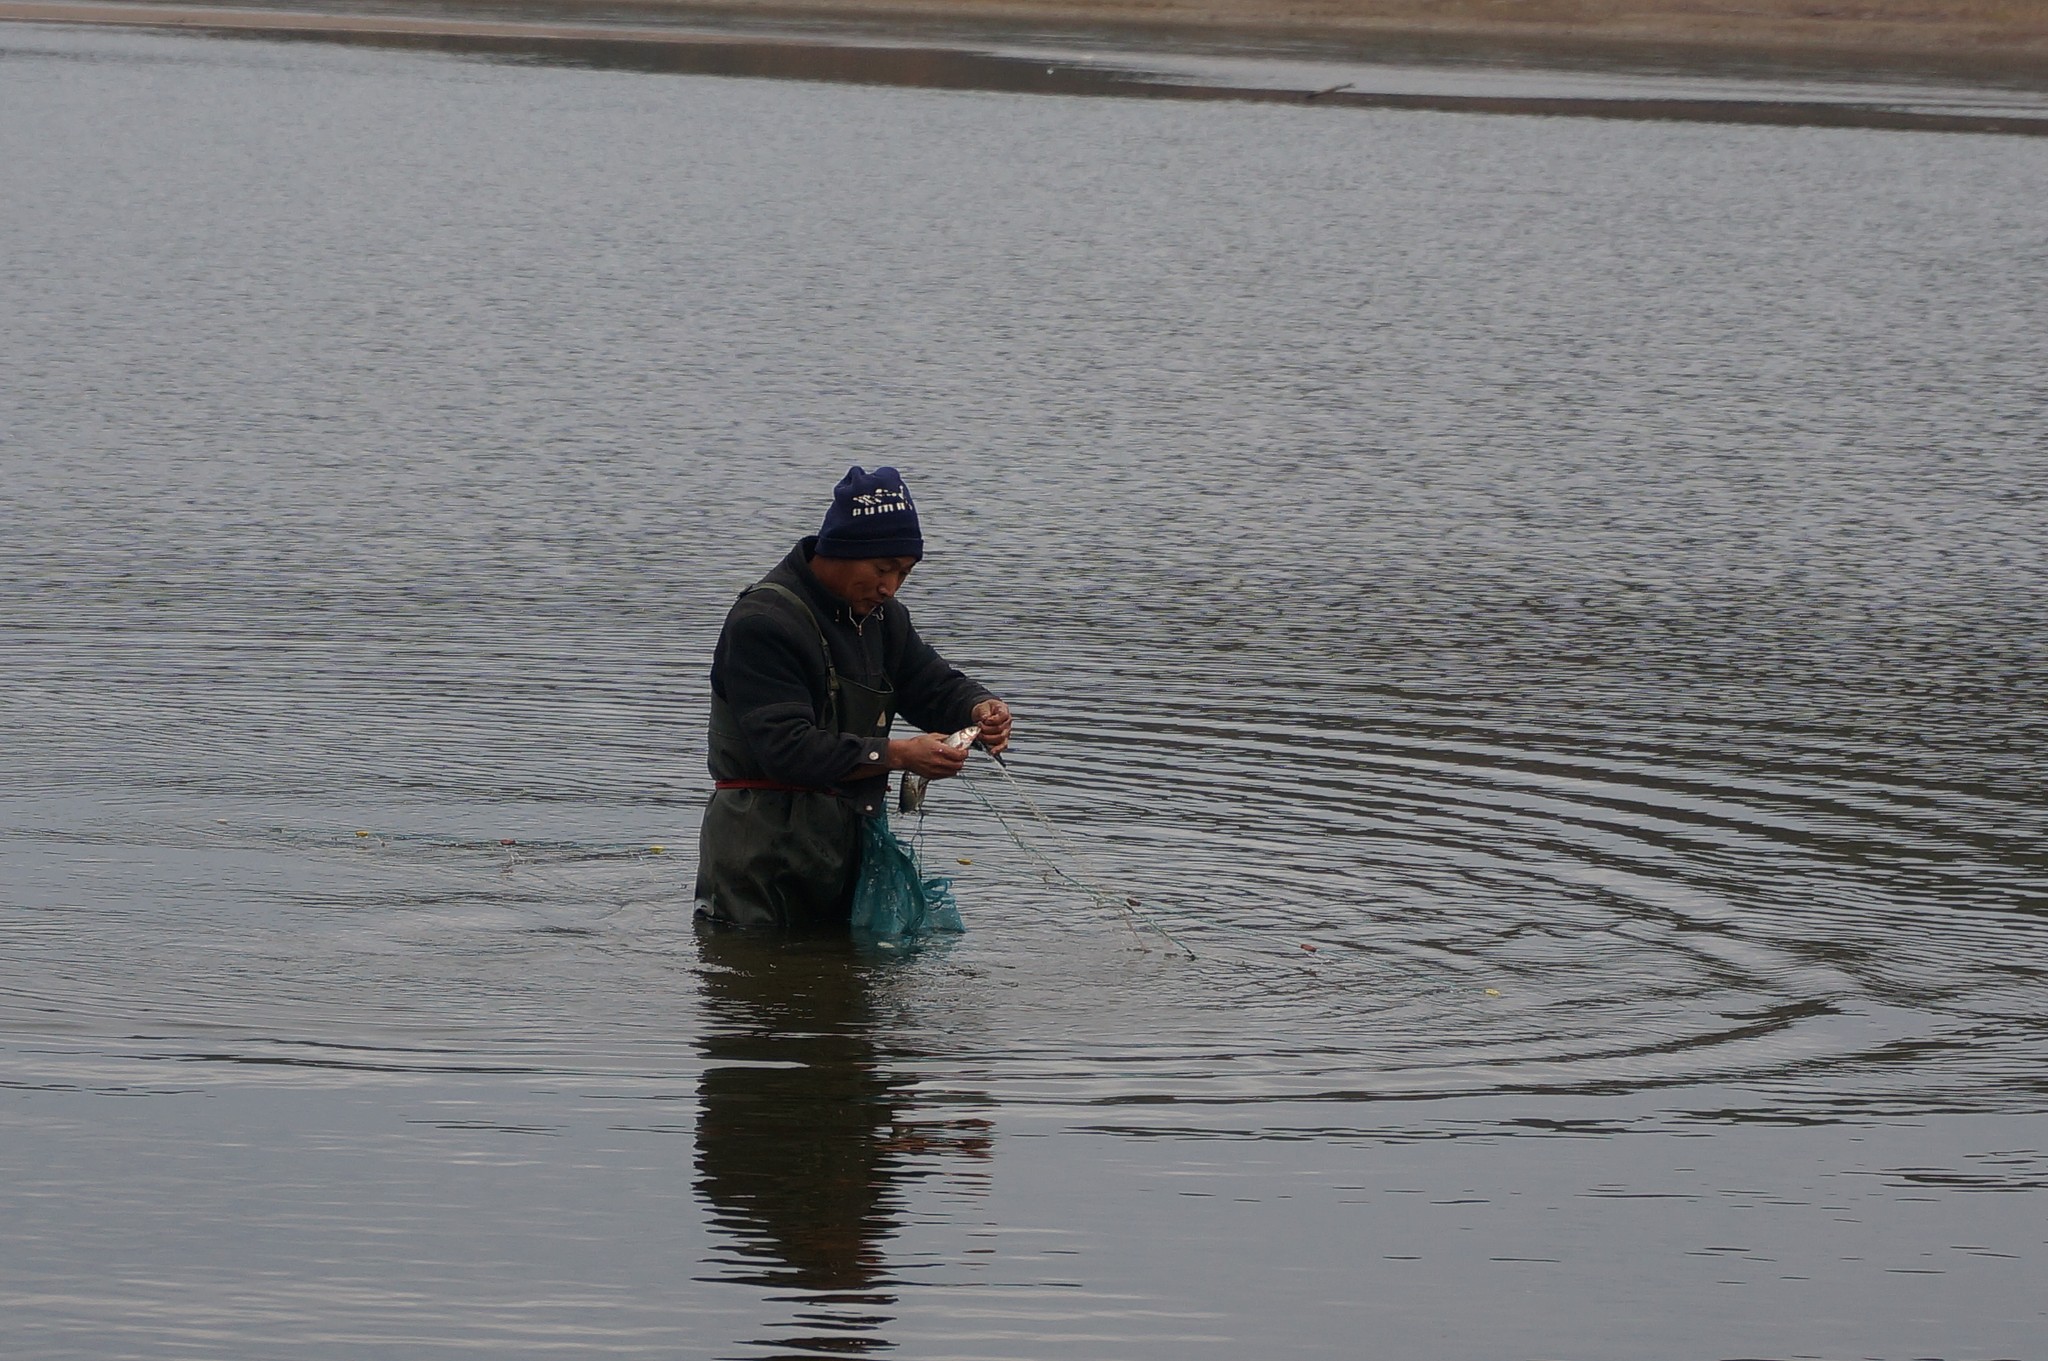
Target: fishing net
{"points": [[894, 898]]}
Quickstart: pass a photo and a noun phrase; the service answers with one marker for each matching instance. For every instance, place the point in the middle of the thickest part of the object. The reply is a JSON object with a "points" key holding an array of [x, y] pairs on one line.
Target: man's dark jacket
{"points": [[769, 671]]}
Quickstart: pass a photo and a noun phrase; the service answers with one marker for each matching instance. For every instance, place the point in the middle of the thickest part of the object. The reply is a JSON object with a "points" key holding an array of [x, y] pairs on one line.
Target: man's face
{"points": [[864, 583]]}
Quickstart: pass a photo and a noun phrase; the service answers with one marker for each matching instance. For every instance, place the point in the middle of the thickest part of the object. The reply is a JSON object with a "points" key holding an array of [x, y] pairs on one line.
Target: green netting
{"points": [[894, 897]]}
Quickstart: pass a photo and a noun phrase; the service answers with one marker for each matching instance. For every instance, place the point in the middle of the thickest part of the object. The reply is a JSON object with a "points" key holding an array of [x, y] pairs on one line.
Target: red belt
{"points": [[776, 786]]}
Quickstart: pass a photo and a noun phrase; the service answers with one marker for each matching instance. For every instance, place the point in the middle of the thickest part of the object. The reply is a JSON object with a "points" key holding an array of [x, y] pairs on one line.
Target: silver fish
{"points": [[910, 794]]}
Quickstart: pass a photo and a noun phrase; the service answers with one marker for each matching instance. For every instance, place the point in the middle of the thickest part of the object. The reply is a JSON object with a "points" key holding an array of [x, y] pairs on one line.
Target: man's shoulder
{"points": [[770, 608]]}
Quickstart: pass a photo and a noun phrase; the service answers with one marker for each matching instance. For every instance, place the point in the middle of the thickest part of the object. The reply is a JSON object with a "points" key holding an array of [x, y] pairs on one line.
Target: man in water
{"points": [[815, 661]]}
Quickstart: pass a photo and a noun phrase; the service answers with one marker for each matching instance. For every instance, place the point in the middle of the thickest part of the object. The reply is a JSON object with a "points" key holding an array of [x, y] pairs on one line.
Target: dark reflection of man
{"points": [[802, 1143]]}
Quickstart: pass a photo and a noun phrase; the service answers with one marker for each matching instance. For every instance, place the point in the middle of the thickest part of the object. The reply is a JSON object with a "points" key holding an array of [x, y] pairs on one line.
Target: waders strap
{"points": [[831, 671]]}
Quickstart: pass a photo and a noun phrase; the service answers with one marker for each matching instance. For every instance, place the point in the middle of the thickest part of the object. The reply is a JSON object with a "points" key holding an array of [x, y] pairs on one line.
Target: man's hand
{"points": [[994, 718], [928, 756]]}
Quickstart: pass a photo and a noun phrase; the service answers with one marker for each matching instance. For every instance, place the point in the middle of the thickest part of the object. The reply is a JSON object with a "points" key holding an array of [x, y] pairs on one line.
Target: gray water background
{"points": [[1583, 579]]}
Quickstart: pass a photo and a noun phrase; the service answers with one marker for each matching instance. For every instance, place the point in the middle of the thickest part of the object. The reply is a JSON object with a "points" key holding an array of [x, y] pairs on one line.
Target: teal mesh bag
{"points": [[894, 898]]}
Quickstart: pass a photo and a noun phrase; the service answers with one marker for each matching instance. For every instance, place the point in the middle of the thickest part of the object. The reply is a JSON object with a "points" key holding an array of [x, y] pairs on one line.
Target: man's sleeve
{"points": [[930, 691], [770, 678]]}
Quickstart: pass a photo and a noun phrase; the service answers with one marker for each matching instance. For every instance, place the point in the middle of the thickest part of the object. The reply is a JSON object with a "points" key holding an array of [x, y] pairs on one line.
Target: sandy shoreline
{"points": [[907, 54], [1988, 39], [1893, 33]]}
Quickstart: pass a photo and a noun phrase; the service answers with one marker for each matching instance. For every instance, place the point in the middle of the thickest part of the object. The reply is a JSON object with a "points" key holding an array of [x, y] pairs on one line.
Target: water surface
{"points": [[1550, 614]]}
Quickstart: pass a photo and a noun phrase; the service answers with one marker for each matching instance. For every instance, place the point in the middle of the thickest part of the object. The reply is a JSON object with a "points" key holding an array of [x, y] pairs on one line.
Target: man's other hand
{"points": [[993, 716]]}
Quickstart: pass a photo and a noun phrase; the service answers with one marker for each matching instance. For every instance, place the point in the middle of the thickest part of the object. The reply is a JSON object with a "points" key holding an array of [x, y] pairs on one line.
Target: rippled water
{"points": [[1550, 614]]}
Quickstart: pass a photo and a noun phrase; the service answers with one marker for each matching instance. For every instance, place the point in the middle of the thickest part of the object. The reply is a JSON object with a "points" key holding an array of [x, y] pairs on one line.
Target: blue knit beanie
{"points": [[872, 516]]}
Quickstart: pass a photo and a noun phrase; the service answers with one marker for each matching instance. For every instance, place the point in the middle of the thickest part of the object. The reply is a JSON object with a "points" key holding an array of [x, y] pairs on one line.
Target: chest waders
{"points": [[774, 854]]}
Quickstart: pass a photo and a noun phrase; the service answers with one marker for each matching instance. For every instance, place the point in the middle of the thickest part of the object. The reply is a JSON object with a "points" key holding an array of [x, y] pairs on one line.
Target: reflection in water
{"points": [[802, 1138]]}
